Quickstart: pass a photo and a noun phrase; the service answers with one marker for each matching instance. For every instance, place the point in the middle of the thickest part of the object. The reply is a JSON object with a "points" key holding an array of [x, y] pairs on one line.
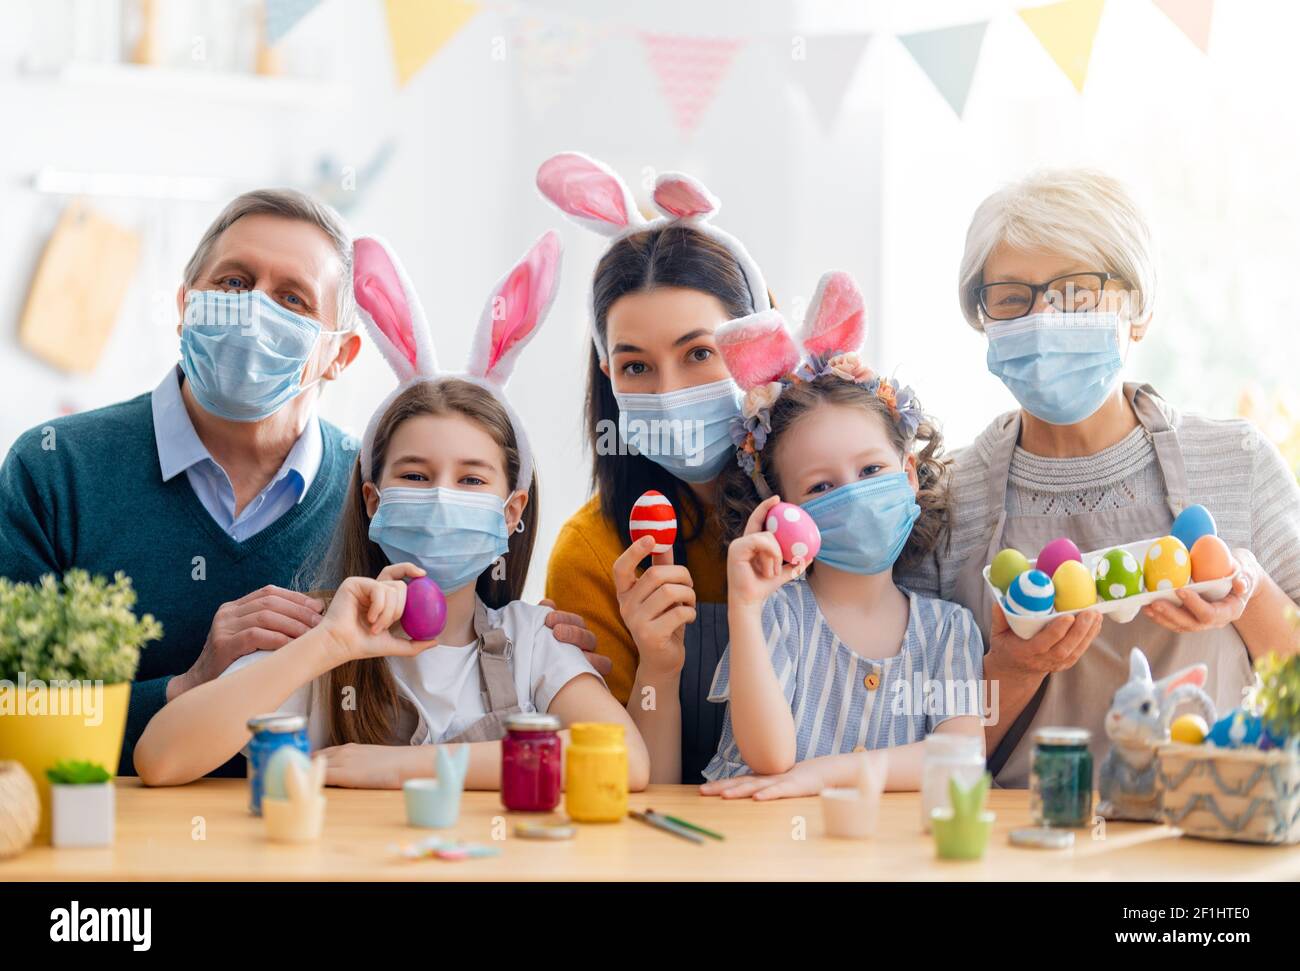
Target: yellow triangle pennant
{"points": [[418, 29], [1067, 30]]}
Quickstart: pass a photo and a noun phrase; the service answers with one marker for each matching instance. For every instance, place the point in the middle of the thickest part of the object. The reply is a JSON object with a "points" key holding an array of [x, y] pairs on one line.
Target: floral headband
{"points": [[764, 360]]}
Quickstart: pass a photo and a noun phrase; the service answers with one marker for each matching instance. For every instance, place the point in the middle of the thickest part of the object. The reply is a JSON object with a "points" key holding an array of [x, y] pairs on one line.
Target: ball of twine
{"points": [[20, 809]]}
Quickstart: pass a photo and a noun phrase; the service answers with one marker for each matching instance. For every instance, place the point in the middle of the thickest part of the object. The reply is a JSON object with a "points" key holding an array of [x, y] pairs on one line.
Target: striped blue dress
{"points": [[841, 700]]}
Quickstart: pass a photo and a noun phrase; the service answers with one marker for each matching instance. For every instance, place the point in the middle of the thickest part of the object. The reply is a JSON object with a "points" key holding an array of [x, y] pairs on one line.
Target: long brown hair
{"points": [[668, 256], [738, 495], [372, 720]]}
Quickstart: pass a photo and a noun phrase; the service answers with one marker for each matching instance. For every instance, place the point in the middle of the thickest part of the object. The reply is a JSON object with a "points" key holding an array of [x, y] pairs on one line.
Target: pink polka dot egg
{"points": [[795, 532]]}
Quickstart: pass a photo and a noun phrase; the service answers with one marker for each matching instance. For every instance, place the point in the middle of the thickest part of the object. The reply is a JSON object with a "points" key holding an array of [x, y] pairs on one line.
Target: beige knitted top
{"points": [[1232, 470]]}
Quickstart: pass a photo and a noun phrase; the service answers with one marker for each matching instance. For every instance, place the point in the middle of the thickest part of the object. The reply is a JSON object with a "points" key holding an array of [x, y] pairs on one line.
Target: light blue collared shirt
{"points": [[181, 450]]}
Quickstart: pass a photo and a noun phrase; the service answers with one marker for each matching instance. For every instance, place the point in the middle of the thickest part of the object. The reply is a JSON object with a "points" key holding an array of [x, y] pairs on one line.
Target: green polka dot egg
{"points": [[1119, 575], [1168, 565]]}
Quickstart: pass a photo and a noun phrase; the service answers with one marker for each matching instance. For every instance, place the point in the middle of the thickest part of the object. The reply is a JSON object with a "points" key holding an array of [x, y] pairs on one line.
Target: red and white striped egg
{"points": [[653, 515], [796, 533]]}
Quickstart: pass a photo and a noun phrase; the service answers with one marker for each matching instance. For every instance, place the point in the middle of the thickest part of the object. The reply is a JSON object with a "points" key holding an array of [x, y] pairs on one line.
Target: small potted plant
{"points": [[68, 651], [81, 804]]}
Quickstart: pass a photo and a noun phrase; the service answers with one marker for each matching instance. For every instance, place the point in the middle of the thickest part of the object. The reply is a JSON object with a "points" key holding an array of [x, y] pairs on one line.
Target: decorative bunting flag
{"points": [[1192, 17], [822, 67], [551, 55], [1066, 30], [419, 28], [948, 56], [281, 15], [690, 71]]}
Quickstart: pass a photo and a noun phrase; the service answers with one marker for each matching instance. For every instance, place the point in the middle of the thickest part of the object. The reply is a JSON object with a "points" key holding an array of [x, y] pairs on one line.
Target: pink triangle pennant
{"points": [[690, 71], [1192, 17]]}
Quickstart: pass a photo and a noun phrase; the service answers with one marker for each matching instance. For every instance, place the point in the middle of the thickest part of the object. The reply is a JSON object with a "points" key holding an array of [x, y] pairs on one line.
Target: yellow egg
{"points": [[1168, 564], [1075, 587], [1189, 729]]}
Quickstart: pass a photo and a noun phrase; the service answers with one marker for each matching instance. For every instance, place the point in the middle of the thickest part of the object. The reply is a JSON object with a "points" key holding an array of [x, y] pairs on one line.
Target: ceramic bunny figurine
{"points": [[300, 816], [1138, 722], [961, 832], [435, 803]]}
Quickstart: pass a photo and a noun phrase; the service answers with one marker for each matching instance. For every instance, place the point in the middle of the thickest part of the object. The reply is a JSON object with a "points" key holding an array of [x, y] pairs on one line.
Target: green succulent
{"points": [[72, 773], [80, 628]]}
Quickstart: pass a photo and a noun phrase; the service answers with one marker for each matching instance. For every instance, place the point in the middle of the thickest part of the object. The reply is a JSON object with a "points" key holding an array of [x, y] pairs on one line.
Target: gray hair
{"points": [[289, 204], [1081, 213]]}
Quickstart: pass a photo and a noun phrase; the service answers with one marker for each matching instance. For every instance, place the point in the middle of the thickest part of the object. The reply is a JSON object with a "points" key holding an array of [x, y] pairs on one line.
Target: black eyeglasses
{"points": [[1069, 294]]}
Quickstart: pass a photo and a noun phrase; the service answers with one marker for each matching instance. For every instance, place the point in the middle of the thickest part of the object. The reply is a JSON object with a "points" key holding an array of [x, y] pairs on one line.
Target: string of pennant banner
{"points": [[553, 48]]}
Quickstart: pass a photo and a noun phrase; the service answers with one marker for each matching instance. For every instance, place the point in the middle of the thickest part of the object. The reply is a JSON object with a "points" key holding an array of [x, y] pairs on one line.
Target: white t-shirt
{"points": [[443, 682]]}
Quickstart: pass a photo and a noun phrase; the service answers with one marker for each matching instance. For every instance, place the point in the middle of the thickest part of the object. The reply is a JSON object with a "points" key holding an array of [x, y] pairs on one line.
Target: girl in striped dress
{"points": [[831, 657]]}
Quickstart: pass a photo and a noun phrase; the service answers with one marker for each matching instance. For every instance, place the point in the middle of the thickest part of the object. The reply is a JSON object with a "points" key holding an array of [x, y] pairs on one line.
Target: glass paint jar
{"points": [[1060, 777], [530, 763], [947, 756], [595, 773], [270, 732]]}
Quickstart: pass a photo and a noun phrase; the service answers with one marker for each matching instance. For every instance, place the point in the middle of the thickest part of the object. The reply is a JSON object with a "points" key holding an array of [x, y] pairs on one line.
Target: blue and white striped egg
{"points": [[1031, 594]]}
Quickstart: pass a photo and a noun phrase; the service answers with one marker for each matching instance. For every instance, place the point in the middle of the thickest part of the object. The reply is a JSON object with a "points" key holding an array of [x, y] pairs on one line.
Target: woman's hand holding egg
{"points": [[655, 606], [1195, 613], [363, 610], [755, 565]]}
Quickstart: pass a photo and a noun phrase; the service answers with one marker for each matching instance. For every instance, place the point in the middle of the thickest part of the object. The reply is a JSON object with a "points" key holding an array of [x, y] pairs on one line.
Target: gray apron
{"points": [[706, 638], [1080, 696]]}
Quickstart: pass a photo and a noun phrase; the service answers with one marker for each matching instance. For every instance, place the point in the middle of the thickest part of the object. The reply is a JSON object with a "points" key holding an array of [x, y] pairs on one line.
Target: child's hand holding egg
{"points": [[795, 533]]}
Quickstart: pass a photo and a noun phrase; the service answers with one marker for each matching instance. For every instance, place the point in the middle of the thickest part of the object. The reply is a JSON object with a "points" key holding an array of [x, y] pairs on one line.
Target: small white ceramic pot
{"points": [[82, 815]]}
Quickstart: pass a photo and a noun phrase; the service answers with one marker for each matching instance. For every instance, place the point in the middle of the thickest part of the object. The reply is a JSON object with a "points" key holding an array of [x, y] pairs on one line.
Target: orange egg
{"points": [[1211, 559]]}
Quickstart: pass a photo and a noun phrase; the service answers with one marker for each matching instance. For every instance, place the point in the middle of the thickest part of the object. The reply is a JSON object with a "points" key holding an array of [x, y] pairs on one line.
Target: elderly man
{"points": [[221, 481]]}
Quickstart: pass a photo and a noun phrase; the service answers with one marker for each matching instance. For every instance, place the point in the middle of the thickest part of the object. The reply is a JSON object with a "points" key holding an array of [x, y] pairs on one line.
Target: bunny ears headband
{"points": [[515, 310], [594, 197], [764, 360]]}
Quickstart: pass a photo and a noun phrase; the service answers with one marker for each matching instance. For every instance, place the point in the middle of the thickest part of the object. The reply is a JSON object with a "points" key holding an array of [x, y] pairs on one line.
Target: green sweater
{"points": [[87, 491]]}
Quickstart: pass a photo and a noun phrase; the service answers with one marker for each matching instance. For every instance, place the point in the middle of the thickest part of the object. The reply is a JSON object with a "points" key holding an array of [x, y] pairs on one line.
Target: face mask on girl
{"points": [[243, 354], [865, 525], [687, 432], [1060, 367], [452, 534]]}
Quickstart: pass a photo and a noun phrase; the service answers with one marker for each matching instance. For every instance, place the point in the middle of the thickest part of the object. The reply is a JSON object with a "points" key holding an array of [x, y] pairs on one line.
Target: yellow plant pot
{"points": [[40, 726]]}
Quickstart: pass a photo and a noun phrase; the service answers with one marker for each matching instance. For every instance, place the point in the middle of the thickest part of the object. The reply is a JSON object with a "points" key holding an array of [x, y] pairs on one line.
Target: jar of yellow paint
{"points": [[595, 773]]}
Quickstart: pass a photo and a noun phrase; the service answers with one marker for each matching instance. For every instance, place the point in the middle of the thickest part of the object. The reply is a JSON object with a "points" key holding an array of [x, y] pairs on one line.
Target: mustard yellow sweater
{"points": [[579, 577]]}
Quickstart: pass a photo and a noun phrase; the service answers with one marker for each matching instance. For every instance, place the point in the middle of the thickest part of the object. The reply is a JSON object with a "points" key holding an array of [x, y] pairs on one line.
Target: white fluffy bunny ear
{"points": [[678, 196], [1138, 668], [515, 310], [390, 309], [589, 193], [836, 322]]}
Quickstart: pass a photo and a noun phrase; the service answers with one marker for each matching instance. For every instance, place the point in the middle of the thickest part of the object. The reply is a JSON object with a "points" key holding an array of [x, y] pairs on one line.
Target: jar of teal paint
{"points": [[1060, 777]]}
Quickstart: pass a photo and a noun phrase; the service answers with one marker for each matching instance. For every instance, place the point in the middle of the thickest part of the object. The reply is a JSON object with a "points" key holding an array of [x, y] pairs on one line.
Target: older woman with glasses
{"points": [[1058, 275]]}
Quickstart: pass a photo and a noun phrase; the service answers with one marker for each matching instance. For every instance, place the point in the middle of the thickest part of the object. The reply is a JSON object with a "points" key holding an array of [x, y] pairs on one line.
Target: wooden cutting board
{"points": [[78, 289]]}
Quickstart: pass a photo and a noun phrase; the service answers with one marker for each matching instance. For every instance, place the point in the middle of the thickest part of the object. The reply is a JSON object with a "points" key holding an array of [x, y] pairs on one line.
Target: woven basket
{"points": [[1243, 795], [20, 809]]}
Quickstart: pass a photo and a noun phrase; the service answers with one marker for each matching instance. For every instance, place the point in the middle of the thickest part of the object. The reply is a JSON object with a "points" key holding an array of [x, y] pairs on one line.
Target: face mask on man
{"points": [[243, 354]]}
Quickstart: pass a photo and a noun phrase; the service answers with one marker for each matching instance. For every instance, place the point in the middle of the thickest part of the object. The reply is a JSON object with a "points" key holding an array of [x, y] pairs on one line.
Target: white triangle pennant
{"points": [[822, 67]]}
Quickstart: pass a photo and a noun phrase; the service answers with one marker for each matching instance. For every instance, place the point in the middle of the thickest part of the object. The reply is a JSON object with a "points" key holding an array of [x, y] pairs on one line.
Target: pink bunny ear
{"points": [[757, 349], [679, 196], [515, 310], [837, 318], [588, 192], [1194, 675], [390, 309]]}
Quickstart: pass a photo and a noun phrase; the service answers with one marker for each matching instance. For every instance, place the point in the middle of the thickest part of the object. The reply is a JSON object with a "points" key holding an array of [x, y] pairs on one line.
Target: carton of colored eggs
{"points": [[653, 515], [796, 533], [1116, 581]]}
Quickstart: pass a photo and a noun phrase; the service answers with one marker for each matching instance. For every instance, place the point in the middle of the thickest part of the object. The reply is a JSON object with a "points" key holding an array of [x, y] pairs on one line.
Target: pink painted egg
{"points": [[653, 515], [1055, 553], [425, 614], [795, 532]]}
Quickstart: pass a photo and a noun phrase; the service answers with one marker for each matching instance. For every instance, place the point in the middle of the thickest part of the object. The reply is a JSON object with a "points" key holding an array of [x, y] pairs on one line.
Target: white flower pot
{"points": [[82, 815]]}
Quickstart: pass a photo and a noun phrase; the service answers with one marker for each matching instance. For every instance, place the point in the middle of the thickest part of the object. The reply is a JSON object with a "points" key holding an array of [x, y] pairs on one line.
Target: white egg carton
{"points": [[1123, 610]]}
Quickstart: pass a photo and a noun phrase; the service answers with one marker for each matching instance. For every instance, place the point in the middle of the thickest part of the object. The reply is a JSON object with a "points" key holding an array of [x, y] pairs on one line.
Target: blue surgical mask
{"points": [[453, 534], [243, 354], [865, 524], [687, 432], [1061, 367]]}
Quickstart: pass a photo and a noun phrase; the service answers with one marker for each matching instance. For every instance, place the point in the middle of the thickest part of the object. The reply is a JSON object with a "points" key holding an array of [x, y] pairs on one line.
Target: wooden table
{"points": [[780, 840]]}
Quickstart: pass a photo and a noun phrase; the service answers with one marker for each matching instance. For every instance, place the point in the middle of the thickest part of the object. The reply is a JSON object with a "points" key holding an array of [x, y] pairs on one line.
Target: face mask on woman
{"points": [[452, 534], [1060, 367], [687, 432], [243, 354], [865, 525]]}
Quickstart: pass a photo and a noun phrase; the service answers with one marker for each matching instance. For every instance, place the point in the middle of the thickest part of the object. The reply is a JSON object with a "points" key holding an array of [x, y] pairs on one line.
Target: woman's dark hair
{"points": [[669, 256], [737, 495]]}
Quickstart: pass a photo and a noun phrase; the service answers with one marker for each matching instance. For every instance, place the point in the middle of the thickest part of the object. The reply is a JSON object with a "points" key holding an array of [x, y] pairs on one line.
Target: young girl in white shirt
{"points": [[444, 487]]}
